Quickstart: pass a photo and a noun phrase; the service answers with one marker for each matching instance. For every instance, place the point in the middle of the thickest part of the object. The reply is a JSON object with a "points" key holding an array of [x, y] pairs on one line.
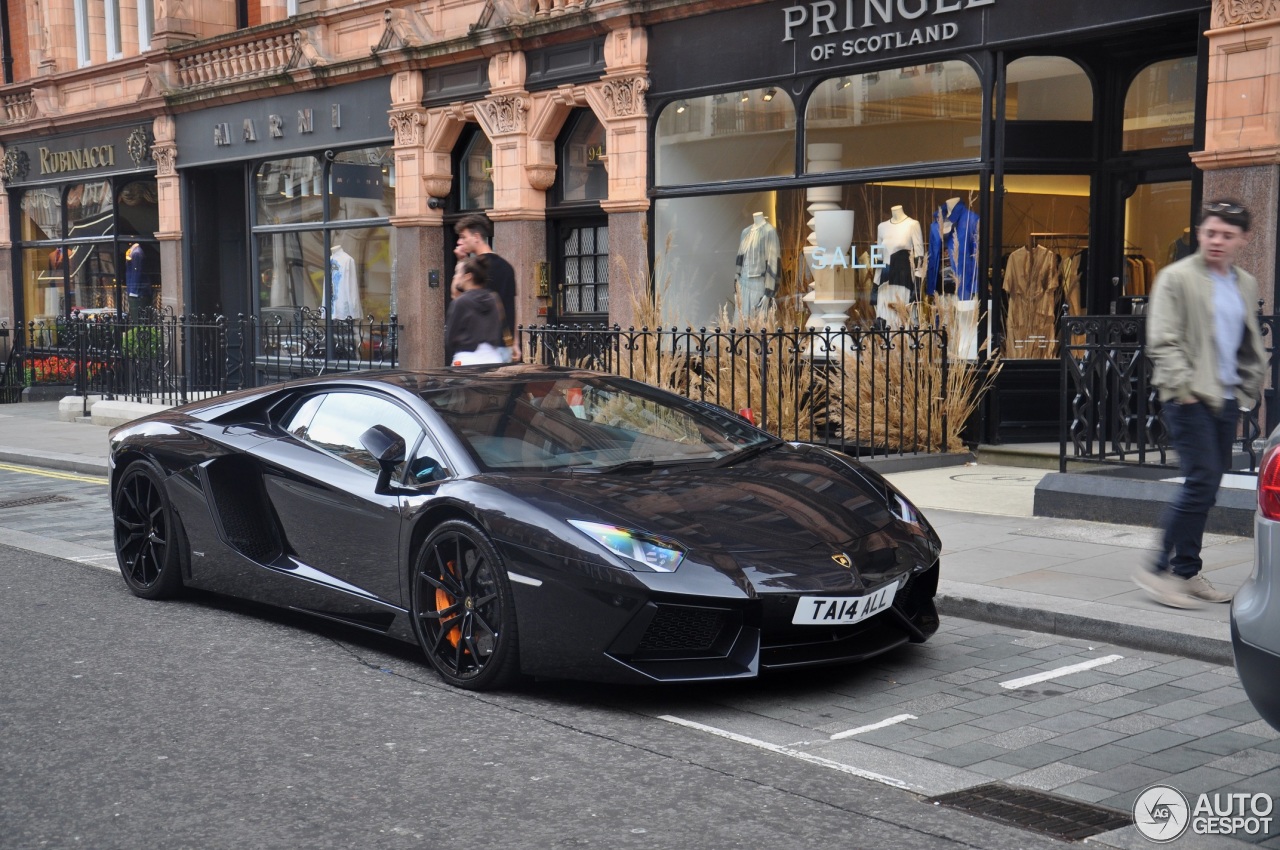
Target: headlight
{"points": [[646, 551], [902, 509]]}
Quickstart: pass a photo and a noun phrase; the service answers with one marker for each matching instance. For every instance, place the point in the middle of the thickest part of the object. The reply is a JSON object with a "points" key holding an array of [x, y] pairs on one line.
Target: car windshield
{"points": [[588, 424]]}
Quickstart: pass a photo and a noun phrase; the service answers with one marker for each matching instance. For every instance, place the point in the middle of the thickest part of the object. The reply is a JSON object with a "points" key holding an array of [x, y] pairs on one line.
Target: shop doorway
{"points": [[219, 265]]}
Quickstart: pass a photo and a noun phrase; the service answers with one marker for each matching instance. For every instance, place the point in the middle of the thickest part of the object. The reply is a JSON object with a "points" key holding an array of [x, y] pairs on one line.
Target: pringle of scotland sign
{"points": [[851, 30]]}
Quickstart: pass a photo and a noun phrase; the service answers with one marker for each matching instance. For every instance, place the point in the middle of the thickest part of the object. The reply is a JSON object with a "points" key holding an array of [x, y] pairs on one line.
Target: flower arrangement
{"points": [[57, 370]]}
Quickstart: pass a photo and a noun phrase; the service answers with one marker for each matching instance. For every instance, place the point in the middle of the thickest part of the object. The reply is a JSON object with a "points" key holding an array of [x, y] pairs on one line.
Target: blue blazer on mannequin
{"points": [[963, 247]]}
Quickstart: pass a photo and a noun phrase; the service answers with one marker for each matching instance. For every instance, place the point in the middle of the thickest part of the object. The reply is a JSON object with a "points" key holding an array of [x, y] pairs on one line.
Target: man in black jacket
{"points": [[474, 235]]}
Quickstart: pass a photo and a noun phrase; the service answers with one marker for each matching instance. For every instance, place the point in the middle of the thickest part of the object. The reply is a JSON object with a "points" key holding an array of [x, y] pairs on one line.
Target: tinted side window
{"points": [[343, 417], [297, 422]]}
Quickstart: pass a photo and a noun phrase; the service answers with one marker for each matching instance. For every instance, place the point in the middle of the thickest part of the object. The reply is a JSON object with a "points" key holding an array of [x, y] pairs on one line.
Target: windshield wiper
{"points": [[746, 452], [620, 466]]}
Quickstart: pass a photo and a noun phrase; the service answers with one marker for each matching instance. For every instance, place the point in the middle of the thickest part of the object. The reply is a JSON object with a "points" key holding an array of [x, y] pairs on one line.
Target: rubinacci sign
{"points": [[854, 29]]}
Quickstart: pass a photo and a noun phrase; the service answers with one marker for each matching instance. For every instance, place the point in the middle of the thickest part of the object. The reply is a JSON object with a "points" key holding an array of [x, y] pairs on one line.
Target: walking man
{"points": [[1203, 339], [474, 237]]}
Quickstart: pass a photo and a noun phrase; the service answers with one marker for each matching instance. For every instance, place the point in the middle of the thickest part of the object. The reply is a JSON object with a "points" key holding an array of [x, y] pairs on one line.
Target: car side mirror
{"points": [[425, 469], [387, 447]]}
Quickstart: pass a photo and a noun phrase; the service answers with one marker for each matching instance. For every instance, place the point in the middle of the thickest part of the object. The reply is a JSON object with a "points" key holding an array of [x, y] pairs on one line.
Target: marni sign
{"points": [[844, 29]]}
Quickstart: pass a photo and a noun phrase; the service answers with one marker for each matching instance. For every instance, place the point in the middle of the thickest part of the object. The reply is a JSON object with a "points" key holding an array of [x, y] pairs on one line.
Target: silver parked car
{"points": [[1255, 611]]}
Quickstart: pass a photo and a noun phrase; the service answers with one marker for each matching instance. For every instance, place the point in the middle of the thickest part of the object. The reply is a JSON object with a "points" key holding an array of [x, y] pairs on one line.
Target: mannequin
{"points": [[345, 302], [758, 264], [902, 247], [953, 270], [137, 290]]}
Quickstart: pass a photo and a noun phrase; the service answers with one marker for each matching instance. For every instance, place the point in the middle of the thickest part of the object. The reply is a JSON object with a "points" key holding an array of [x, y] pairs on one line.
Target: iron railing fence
{"points": [[165, 359], [1111, 411], [11, 374], [869, 392]]}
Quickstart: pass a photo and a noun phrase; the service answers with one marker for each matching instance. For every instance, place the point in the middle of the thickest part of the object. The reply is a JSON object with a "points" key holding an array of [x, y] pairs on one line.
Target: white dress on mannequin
{"points": [[346, 289], [899, 233]]}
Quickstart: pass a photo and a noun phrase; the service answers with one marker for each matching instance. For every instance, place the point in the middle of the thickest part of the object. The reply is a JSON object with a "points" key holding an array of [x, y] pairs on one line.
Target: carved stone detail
{"points": [[136, 144], [15, 165], [505, 113], [437, 185], [624, 96], [407, 126], [1230, 13], [166, 157], [542, 176]]}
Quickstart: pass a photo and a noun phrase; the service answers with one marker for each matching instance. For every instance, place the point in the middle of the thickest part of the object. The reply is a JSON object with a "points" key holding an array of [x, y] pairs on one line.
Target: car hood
{"points": [[785, 500]]}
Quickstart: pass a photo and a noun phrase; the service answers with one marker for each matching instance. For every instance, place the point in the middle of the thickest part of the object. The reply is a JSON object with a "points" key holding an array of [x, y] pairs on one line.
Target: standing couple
{"points": [[480, 322]]}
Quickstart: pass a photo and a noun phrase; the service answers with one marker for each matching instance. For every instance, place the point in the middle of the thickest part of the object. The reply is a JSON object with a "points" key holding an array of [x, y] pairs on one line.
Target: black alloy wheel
{"points": [[148, 540], [462, 608]]}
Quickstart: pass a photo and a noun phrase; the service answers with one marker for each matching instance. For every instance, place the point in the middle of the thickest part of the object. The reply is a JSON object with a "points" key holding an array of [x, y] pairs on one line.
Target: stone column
{"points": [[519, 208], [1241, 158], [619, 102], [419, 227], [168, 188]]}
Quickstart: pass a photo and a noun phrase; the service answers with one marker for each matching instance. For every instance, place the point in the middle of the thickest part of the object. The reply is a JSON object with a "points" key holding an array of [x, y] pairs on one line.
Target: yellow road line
{"points": [[50, 473]]}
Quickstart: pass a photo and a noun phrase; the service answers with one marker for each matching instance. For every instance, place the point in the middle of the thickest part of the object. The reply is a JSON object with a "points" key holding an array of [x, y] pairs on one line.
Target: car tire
{"points": [[462, 608], [149, 540]]}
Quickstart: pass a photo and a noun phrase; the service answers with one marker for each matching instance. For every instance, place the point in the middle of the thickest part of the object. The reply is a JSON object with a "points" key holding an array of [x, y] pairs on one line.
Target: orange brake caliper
{"points": [[443, 601]]}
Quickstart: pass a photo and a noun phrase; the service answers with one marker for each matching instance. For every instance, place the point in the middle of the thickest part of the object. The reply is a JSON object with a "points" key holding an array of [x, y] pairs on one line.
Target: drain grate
{"points": [[33, 500], [1026, 808]]}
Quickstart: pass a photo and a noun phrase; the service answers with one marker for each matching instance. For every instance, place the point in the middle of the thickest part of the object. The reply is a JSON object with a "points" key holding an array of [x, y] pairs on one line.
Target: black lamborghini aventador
{"points": [[526, 521]]}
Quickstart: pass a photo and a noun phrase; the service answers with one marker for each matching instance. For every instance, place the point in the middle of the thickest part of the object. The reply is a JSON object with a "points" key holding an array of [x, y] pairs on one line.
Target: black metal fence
{"points": [[167, 359], [1111, 411], [870, 392]]}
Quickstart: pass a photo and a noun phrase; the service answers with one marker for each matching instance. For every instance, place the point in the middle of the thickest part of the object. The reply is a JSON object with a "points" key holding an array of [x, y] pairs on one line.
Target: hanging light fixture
{"points": [[843, 83], [768, 95], [681, 107], [746, 95]]}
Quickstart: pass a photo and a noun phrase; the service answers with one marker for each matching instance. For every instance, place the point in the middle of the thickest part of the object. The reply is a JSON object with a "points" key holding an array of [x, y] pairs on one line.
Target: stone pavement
{"points": [[1001, 564]]}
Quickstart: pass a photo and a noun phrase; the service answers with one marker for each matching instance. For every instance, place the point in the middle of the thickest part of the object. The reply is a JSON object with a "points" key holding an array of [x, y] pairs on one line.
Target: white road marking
{"points": [[92, 561], [849, 733], [795, 754], [1013, 684]]}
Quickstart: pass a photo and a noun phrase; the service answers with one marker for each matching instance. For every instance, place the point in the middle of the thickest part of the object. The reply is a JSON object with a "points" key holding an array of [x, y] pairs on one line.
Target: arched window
{"points": [[582, 157], [1047, 88], [920, 113], [728, 136], [1160, 106], [475, 173]]}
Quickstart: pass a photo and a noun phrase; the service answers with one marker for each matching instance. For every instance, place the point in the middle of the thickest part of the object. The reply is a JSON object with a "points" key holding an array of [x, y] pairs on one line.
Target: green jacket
{"points": [[1180, 336]]}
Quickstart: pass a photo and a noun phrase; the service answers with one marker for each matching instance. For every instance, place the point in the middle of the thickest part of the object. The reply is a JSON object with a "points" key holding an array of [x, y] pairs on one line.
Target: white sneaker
{"points": [[1165, 588], [1199, 587]]}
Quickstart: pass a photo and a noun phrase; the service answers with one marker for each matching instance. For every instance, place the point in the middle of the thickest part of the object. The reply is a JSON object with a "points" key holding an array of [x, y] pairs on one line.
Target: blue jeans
{"points": [[1204, 441]]}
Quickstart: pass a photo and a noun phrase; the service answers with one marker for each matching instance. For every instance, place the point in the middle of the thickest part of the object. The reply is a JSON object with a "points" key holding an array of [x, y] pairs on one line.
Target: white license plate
{"points": [[842, 610]]}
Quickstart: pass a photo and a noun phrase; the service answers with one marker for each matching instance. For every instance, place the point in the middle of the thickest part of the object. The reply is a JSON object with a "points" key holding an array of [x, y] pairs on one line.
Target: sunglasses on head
{"points": [[1229, 209]]}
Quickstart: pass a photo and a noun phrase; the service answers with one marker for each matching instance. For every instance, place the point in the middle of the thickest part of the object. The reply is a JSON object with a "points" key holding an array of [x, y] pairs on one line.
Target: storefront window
{"points": [[341, 273], [582, 172], [476, 173], [43, 270], [90, 210], [1160, 107], [290, 191], [1044, 251], [920, 113], [362, 184], [41, 214], [1157, 231], [718, 254], [727, 136]]}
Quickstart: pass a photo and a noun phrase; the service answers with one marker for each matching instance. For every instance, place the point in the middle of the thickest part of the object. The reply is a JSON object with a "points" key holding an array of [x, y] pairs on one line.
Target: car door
{"points": [[321, 483]]}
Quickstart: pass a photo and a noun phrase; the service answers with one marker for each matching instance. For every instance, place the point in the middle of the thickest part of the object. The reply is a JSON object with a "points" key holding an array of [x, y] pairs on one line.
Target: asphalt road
{"points": [[205, 724]]}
